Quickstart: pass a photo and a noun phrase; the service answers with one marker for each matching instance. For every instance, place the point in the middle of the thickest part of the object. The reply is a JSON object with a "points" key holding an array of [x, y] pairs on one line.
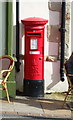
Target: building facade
{"points": [[52, 12]]}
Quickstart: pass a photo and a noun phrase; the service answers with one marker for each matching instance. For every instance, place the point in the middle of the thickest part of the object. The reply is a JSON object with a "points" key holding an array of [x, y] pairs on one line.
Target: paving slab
{"points": [[27, 106], [54, 108], [35, 107]]}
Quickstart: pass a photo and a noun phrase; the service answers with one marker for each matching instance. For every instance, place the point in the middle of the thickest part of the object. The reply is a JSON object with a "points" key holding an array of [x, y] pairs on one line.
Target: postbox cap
{"points": [[34, 21]]}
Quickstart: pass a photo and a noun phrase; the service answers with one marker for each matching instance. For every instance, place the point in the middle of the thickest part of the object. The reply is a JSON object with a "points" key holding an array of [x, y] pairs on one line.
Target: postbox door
{"points": [[34, 66]]}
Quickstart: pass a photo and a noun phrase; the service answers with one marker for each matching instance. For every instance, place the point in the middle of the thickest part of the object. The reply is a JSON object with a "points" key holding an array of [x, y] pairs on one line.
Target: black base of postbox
{"points": [[33, 88]]}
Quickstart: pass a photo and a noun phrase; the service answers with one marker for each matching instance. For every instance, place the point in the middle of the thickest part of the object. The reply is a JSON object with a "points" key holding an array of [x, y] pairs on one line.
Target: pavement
{"points": [[50, 106]]}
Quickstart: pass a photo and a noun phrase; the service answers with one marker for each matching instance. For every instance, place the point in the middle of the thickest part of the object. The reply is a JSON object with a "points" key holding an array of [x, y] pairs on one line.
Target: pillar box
{"points": [[34, 56]]}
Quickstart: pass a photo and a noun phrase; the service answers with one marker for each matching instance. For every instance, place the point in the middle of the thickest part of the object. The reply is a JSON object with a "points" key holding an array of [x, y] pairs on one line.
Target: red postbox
{"points": [[34, 56]]}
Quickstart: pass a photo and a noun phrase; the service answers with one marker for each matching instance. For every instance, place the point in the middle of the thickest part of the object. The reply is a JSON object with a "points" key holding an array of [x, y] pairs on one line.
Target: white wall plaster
{"points": [[52, 78]]}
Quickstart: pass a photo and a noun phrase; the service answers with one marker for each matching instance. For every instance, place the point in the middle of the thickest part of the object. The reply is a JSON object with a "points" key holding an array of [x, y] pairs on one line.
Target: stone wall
{"points": [[54, 34], [67, 34]]}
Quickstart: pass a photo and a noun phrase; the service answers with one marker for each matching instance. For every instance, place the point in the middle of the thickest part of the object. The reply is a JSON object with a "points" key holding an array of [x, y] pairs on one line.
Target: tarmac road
{"points": [[30, 119], [19, 117]]}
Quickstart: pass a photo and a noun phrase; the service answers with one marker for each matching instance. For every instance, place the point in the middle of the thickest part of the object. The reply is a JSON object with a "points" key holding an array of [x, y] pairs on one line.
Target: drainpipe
{"points": [[62, 29], [17, 37]]}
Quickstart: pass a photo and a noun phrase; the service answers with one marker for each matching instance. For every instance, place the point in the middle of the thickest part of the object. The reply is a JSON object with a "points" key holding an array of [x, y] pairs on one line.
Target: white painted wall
{"points": [[51, 69], [52, 78], [33, 9]]}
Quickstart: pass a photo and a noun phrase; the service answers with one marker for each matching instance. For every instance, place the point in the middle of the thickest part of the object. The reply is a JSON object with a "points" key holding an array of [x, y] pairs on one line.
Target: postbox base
{"points": [[34, 88]]}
